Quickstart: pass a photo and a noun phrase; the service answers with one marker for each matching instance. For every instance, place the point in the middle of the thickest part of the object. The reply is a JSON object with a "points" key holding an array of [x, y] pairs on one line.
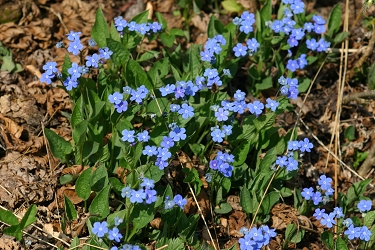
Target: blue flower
{"points": [[179, 92], [127, 90], [121, 107], [256, 108], [186, 111], [114, 234], [364, 205], [160, 163], [239, 106], [73, 36], [206, 55], [364, 233], [143, 28], [312, 44], [239, 95], [91, 42], [137, 196], [221, 115], [168, 89], [180, 201], [150, 151], [297, 7], [292, 41], [118, 221], [324, 182], [100, 229], [323, 45], [208, 177], [240, 50], [287, 12], [92, 61], [155, 27], [120, 23], [164, 154], [305, 145], [59, 44], [293, 92], [147, 183], [307, 193], [319, 29], [143, 136], [75, 47], [272, 104], [46, 78], [293, 145], [316, 198], [70, 83], [50, 68], [105, 53], [353, 232], [115, 98], [132, 26], [252, 45], [237, 21], [318, 214], [169, 204], [328, 220], [292, 164], [150, 196], [292, 65], [282, 161], [125, 192], [211, 73], [308, 27], [277, 26], [338, 212], [75, 71], [302, 62], [128, 135], [139, 94], [318, 20], [174, 107], [227, 129], [246, 26], [347, 222], [167, 142], [178, 134], [225, 169], [217, 135]]}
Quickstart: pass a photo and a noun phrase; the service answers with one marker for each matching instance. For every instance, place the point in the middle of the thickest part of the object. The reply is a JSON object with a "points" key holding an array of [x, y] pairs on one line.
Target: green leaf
{"points": [[334, 19], [8, 64], [141, 17], [327, 239], [136, 75], [349, 133], [59, 147], [75, 243], [268, 160], [120, 52], [148, 55], [304, 85], [340, 37], [66, 65], [215, 27], [78, 112], [167, 39], [89, 148], [224, 208], [66, 178], [245, 200], [369, 219], [100, 204], [232, 6], [99, 179], [70, 210], [100, 30], [82, 187], [356, 191], [266, 10], [341, 244], [264, 121], [141, 215], [192, 63], [8, 217], [113, 33], [269, 201], [192, 177]]}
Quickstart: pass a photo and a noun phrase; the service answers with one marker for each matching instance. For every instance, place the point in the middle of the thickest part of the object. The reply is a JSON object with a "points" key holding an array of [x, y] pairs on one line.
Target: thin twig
{"points": [[358, 96]]}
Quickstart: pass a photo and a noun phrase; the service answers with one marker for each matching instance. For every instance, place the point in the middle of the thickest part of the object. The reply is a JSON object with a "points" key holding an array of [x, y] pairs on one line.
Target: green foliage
{"points": [[6, 60]]}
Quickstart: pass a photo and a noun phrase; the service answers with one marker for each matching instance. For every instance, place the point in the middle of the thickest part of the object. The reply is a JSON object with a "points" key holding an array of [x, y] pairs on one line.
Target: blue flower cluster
{"points": [[75, 71], [119, 102], [212, 48], [101, 229], [177, 200], [289, 87], [221, 162], [324, 187], [142, 28], [256, 238], [145, 194], [353, 232]]}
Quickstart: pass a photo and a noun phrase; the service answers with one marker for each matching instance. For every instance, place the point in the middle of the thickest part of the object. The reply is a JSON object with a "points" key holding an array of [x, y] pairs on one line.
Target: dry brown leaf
{"points": [[13, 128], [75, 169], [157, 223], [203, 201]]}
